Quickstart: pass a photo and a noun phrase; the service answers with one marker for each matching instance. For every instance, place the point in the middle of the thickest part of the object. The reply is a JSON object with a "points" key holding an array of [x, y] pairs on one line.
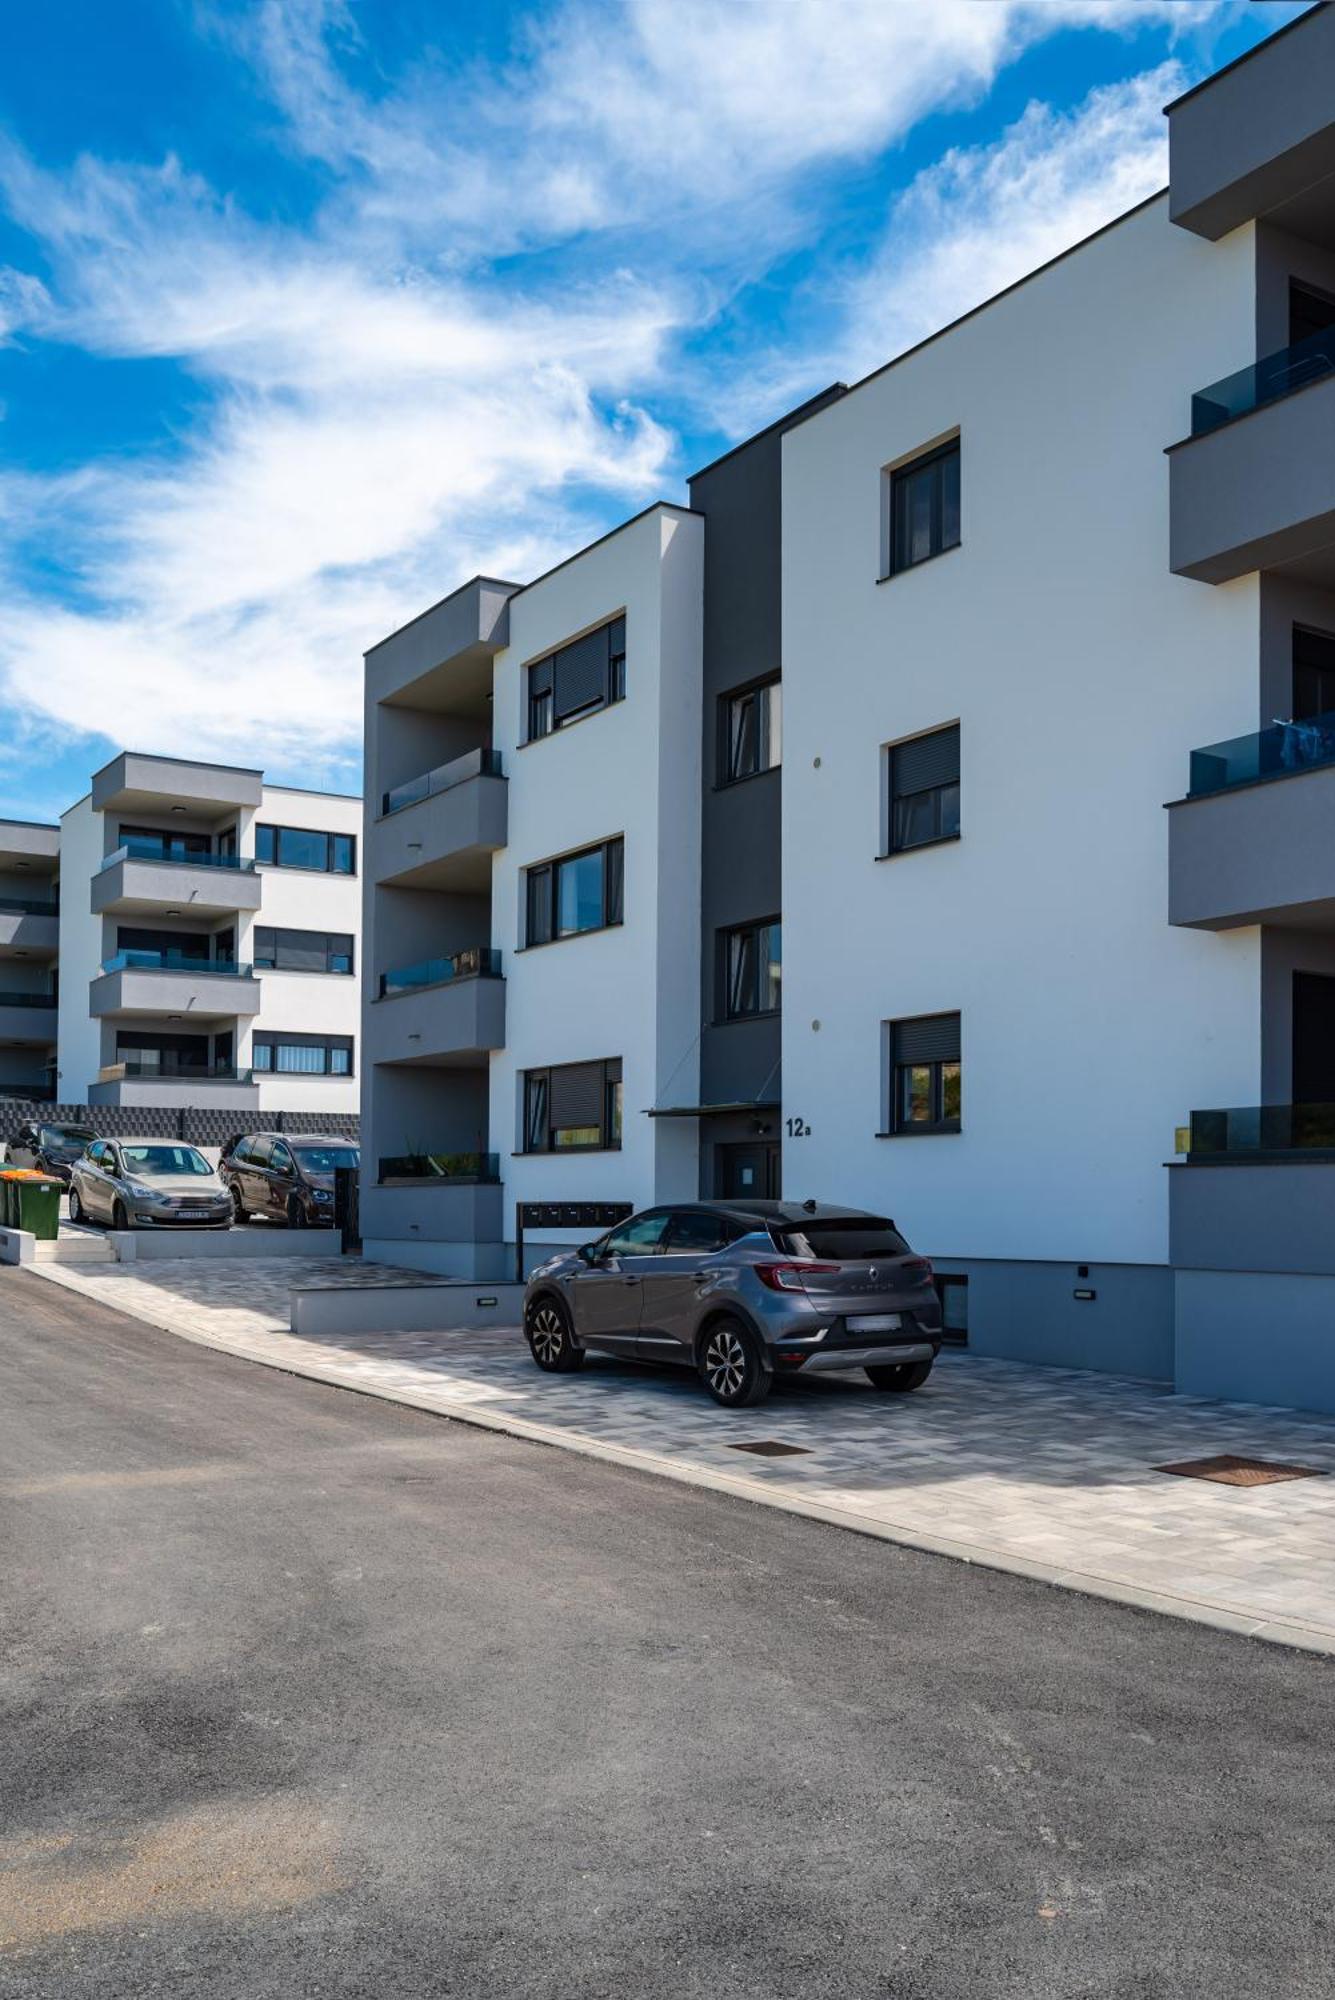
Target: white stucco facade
{"points": [[631, 769], [1080, 673]]}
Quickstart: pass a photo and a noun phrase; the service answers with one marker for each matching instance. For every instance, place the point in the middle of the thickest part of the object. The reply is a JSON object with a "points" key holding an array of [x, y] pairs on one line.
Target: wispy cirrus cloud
{"points": [[461, 360]]}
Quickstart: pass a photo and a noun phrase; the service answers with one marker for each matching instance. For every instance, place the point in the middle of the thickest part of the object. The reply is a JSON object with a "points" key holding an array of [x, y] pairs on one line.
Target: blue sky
{"points": [[310, 309]]}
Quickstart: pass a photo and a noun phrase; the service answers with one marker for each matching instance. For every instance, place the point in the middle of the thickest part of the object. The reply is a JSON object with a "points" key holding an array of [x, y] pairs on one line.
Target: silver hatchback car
{"points": [[742, 1292], [148, 1183]]}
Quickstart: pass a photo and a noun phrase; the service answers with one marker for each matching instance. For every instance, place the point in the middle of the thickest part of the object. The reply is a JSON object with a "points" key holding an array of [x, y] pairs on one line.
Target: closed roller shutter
{"points": [[934, 1038], [927, 761], [581, 673], [577, 1095]]}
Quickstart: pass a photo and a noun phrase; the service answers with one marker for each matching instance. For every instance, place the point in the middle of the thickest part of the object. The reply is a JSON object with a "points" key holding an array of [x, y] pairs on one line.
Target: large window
{"points": [[579, 892], [924, 1074], [573, 1108], [301, 951], [302, 1055], [923, 779], [169, 846], [924, 508], [752, 732], [752, 967], [577, 679], [304, 847]]}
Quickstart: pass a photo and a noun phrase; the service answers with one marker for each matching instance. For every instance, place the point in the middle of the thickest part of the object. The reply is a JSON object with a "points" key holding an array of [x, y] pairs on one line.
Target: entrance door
{"points": [[748, 1170], [1313, 1038]]}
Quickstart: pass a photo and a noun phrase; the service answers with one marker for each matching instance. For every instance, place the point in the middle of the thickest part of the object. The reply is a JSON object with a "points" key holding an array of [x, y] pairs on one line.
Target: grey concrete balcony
{"points": [[135, 880], [1254, 841], [440, 831], [137, 1083], [443, 1012], [1258, 138], [148, 982], [28, 927], [133, 783], [29, 1018], [1254, 486]]}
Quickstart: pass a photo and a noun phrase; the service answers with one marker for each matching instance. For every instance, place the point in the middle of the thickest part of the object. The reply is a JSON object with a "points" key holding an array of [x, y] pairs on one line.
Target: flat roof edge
{"points": [[471, 583], [1276, 35]]}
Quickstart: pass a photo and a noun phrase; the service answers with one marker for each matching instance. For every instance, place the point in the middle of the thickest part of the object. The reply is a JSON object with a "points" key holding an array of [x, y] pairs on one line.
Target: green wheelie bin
{"points": [[32, 1202]]}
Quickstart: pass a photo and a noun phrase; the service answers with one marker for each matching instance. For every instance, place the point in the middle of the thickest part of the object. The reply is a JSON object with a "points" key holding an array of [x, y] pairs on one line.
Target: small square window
{"points": [[923, 790], [925, 1076]]}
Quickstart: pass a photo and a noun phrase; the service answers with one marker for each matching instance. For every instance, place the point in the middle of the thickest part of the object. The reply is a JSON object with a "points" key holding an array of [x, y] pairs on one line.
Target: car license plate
{"points": [[874, 1322], [192, 1214]]}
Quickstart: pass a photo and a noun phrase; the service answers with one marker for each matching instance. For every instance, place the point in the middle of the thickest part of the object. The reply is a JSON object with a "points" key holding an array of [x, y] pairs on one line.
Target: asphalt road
{"points": [[304, 1694]]}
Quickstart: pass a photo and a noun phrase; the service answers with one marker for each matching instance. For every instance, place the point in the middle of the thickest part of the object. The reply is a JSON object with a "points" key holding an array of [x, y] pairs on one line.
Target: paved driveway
{"points": [[1050, 1472]]}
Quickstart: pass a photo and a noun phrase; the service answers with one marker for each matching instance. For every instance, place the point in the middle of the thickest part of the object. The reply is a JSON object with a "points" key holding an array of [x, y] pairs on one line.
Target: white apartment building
{"points": [[967, 854], [197, 944]]}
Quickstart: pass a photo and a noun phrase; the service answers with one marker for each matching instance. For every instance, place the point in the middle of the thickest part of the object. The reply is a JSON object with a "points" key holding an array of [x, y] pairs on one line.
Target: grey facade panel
{"points": [[1256, 1337], [1274, 1216], [740, 497], [1263, 853], [39, 936], [1257, 492], [1030, 1312], [135, 781]]}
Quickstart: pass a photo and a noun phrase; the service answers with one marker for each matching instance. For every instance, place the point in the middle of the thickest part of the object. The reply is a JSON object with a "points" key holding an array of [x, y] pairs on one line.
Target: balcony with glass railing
{"points": [[440, 1169], [478, 962], [481, 763], [1264, 381], [178, 961], [1281, 751], [1252, 1132]]}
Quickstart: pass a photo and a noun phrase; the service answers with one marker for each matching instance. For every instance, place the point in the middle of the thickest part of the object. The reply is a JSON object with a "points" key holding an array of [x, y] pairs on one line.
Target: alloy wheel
{"points": [[547, 1334], [725, 1363]]}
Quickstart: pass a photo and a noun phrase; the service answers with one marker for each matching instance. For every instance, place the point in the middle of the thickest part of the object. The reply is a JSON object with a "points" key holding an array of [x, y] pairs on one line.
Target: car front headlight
{"points": [[140, 1192], [323, 1194]]}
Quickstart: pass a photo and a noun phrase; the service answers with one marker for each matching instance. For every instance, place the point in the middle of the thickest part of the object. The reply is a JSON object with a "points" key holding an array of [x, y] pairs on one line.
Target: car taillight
{"points": [[918, 1271], [789, 1277]]}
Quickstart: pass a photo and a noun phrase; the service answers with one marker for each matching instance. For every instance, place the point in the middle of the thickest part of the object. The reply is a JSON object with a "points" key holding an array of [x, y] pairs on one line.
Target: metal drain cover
{"points": [[1226, 1470], [771, 1448]]}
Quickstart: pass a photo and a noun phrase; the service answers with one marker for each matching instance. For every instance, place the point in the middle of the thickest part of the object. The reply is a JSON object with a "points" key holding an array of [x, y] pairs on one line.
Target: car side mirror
{"points": [[590, 1254]]}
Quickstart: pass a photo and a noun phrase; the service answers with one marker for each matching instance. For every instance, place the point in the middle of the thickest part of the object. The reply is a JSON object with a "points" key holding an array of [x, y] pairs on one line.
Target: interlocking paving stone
{"points": [[1044, 1466]]}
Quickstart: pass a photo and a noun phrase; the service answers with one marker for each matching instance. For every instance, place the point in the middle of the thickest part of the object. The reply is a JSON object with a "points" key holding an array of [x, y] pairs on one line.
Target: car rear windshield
{"points": [[149, 1160], [840, 1242], [324, 1159], [66, 1138]]}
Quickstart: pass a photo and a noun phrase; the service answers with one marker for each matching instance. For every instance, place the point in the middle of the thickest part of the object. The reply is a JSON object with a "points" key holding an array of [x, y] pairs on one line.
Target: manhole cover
{"points": [[1229, 1471], [771, 1448]]}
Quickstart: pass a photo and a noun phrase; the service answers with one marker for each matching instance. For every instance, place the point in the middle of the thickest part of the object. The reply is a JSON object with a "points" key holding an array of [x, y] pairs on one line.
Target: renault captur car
{"points": [[741, 1292], [148, 1184]]}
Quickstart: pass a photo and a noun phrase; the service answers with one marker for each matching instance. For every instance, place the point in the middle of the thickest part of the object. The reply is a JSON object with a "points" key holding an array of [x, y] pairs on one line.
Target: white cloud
{"points": [[979, 219], [383, 413]]}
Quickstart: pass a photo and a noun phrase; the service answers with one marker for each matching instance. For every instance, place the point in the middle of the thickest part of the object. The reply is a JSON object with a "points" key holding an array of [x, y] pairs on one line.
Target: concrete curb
{"points": [[1199, 1611]]}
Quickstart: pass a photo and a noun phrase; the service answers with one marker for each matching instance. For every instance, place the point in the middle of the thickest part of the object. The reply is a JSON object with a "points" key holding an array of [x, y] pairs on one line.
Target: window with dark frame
{"points": [[576, 680], [924, 1074], [575, 893], [751, 731], [277, 950], [302, 1055], [924, 508], [924, 785], [1313, 673], [306, 847], [752, 969], [573, 1107]]}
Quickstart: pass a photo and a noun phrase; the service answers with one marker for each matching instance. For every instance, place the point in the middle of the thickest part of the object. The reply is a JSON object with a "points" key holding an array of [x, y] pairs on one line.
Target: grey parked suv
{"points": [[741, 1291]]}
